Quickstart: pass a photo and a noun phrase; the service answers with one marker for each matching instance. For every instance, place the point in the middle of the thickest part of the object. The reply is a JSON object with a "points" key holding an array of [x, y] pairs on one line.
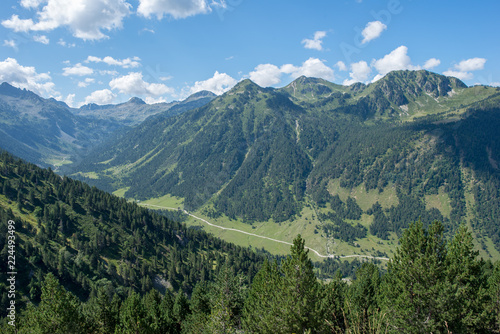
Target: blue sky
{"points": [[107, 51]]}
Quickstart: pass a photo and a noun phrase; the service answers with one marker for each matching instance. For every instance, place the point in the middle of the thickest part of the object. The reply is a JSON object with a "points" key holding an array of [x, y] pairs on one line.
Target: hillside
{"points": [[90, 239], [50, 133], [349, 166]]}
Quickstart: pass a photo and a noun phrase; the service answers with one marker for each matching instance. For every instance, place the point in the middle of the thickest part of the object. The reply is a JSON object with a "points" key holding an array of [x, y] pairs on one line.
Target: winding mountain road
{"points": [[263, 237]]}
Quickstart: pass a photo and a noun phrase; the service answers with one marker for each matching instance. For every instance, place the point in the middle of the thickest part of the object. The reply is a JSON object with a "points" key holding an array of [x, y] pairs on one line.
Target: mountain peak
{"points": [[413, 83], [136, 100], [245, 84], [9, 90], [200, 95]]}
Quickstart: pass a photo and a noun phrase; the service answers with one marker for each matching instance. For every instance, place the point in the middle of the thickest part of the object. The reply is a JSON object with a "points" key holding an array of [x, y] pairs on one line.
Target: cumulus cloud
{"points": [[316, 42], [218, 84], [266, 75], [372, 30], [103, 96], [17, 24], [360, 72], [31, 3], [134, 84], [125, 63], [431, 63], [472, 64], [398, 59], [41, 39], [86, 82], [85, 18], [26, 77], [178, 9], [312, 67], [458, 74], [78, 69], [463, 69], [341, 66]]}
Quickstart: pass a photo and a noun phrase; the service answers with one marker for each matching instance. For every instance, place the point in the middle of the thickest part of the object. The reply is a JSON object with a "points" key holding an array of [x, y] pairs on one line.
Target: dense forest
{"points": [[91, 240], [432, 285]]}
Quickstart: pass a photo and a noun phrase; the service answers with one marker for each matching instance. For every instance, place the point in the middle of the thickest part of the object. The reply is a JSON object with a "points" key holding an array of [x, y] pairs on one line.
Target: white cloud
{"points": [[316, 42], [152, 100], [85, 18], [398, 59], [31, 3], [462, 70], [360, 72], [78, 69], [86, 82], [495, 84], [431, 63], [63, 43], [312, 67], [125, 63], [103, 96], [266, 75], [70, 100], [10, 43], [472, 64], [17, 24], [26, 77], [178, 9], [133, 84], [218, 84], [341, 66], [458, 74], [41, 39], [372, 30]]}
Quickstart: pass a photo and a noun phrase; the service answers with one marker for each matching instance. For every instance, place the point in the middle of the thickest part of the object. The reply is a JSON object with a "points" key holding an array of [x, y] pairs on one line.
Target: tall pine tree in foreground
{"points": [[284, 299], [432, 286]]}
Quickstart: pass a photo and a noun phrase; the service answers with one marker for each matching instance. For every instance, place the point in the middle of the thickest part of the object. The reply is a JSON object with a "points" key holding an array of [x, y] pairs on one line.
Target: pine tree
{"points": [[132, 315], [300, 290], [262, 309], [226, 302], [56, 313], [466, 295], [362, 296], [415, 279]]}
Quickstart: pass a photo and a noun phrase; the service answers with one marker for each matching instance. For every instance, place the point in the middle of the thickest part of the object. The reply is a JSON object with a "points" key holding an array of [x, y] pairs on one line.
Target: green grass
{"points": [[121, 192], [365, 199], [168, 201], [90, 175], [440, 201]]}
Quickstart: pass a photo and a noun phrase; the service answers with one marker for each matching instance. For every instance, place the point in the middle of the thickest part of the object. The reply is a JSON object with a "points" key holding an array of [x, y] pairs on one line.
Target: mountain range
{"points": [[348, 163], [349, 167]]}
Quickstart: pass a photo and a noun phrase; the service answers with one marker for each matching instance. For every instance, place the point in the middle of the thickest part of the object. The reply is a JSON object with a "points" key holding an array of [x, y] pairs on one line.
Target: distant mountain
{"points": [[44, 131], [50, 133], [136, 110]]}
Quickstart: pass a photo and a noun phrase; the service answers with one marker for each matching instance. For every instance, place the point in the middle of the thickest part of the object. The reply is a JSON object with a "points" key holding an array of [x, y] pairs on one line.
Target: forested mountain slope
{"points": [[259, 154], [90, 239]]}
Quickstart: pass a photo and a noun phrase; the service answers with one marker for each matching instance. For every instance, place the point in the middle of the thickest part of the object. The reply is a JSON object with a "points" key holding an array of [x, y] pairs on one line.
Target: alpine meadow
{"points": [[235, 166]]}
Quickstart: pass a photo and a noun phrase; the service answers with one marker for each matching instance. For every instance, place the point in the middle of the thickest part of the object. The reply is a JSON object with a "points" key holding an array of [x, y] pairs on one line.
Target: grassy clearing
{"points": [[440, 201], [121, 192], [90, 175], [168, 201], [365, 199]]}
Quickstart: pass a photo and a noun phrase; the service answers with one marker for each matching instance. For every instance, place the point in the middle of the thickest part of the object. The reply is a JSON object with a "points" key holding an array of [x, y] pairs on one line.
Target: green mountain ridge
{"points": [[261, 154]]}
